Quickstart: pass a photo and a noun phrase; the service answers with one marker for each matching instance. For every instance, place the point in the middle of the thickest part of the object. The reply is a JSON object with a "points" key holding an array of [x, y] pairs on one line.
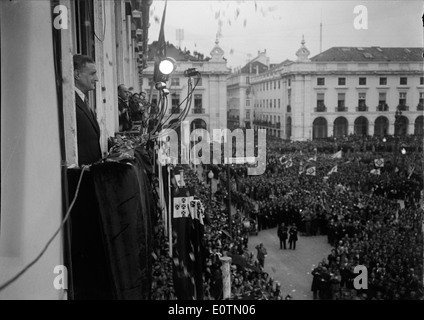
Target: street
{"points": [[291, 268]]}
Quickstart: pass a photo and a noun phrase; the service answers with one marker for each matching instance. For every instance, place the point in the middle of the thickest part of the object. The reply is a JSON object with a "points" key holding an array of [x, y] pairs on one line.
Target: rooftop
{"points": [[367, 54], [176, 53]]}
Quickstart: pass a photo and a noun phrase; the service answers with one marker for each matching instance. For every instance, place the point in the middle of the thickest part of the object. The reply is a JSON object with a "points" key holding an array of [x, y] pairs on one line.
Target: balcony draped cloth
{"points": [[120, 203]]}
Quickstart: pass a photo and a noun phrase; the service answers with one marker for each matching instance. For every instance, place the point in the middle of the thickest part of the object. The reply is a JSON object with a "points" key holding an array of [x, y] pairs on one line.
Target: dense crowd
{"points": [[372, 220]]}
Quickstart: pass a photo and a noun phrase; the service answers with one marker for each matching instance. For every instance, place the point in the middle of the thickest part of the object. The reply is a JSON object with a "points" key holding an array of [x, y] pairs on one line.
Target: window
{"points": [[289, 82], [421, 80], [247, 80], [420, 106], [247, 102], [279, 84], [198, 103], [275, 85], [175, 82], [362, 81], [267, 86], [275, 103], [382, 106], [247, 114], [383, 81], [403, 81], [402, 100], [175, 103], [279, 105], [342, 81], [320, 81], [340, 101], [320, 102], [361, 101]]}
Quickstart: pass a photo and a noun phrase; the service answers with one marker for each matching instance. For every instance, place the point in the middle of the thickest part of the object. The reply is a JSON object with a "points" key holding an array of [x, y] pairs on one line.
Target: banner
{"points": [[188, 247]]}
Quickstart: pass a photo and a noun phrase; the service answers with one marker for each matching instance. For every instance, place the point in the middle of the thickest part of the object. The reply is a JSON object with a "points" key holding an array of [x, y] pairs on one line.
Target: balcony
{"points": [[420, 107], [382, 107], [362, 108], [403, 107], [340, 109], [321, 108], [199, 110]]}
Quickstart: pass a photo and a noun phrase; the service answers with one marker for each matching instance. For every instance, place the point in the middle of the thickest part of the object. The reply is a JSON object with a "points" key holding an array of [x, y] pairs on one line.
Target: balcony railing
{"points": [[340, 109], [362, 108], [320, 109], [420, 107], [382, 107], [403, 107], [199, 110]]}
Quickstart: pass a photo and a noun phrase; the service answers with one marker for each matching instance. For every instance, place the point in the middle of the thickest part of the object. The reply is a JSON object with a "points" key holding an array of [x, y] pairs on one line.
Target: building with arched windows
{"points": [[342, 91], [208, 101]]}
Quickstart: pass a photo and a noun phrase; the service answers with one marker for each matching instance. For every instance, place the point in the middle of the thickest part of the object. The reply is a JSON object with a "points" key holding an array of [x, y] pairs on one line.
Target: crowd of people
{"points": [[371, 220]]}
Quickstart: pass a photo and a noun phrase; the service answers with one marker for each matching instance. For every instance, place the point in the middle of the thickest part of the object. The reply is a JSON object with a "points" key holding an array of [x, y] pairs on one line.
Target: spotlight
{"points": [[160, 85], [163, 69], [191, 72], [167, 65]]}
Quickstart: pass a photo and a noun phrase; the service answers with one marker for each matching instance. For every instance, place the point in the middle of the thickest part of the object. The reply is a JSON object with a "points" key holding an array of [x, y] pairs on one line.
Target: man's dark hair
{"points": [[81, 60]]}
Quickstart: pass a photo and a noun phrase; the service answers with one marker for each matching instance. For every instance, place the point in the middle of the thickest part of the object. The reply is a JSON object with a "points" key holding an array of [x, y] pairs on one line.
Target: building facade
{"points": [[344, 90], [209, 99], [38, 125], [239, 91]]}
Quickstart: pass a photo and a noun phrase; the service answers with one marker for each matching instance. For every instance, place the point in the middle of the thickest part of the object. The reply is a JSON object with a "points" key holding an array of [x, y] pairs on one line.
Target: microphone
{"points": [[191, 72]]}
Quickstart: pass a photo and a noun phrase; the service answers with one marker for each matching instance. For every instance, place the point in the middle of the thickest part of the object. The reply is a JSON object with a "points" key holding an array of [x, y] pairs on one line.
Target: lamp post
{"points": [[398, 115], [210, 176]]}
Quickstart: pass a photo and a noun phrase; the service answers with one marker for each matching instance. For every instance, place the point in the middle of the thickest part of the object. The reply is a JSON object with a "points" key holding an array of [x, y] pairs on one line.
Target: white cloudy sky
{"points": [[277, 26]]}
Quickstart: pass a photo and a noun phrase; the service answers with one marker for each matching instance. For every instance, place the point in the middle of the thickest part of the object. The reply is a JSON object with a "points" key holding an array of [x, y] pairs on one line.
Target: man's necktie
{"points": [[88, 106]]}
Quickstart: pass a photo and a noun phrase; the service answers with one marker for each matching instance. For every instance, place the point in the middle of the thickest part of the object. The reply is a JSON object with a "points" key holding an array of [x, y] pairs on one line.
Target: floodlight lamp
{"points": [[160, 85], [167, 65]]}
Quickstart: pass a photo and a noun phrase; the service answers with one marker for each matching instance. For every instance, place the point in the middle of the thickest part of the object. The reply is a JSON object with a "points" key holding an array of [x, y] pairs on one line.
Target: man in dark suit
{"points": [[90, 271], [88, 130], [125, 121]]}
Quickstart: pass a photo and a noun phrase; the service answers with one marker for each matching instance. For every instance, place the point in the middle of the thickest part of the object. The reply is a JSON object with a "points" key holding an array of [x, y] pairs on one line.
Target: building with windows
{"points": [[342, 91], [239, 91], [209, 99]]}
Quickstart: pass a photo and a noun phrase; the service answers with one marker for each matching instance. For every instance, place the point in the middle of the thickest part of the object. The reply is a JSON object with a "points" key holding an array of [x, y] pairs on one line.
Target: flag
{"points": [[314, 158], [375, 171], [337, 155], [188, 251], [411, 171], [160, 50], [379, 163], [289, 163], [301, 167], [281, 160], [310, 170], [334, 169]]}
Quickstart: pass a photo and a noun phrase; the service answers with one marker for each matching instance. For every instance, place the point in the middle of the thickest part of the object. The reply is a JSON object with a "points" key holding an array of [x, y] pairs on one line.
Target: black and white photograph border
{"points": [[190, 150]]}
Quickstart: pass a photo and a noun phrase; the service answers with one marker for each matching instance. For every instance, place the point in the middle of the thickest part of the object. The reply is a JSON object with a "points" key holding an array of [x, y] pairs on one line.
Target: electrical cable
{"points": [[19, 274]]}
